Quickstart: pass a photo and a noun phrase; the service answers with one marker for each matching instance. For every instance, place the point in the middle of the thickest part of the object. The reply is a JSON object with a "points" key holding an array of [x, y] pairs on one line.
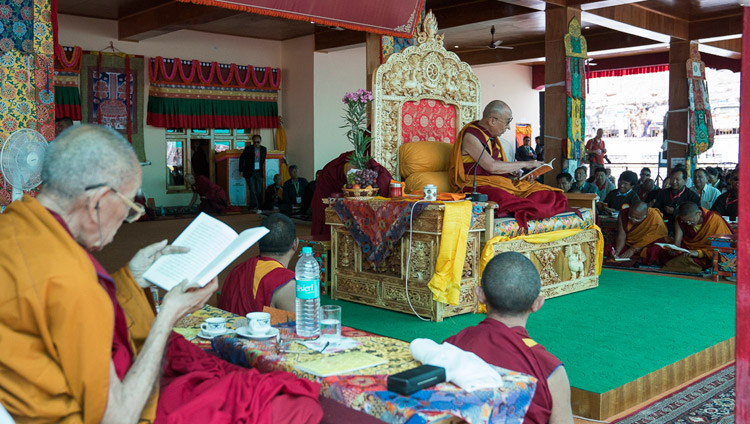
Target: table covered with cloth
{"points": [[365, 390]]}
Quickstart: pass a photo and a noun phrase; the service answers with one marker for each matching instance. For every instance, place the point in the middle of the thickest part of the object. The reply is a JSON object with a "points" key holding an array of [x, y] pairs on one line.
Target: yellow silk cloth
{"points": [[712, 225], [56, 321], [652, 228], [445, 283], [280, 139], [459, 179], [488, 253]]}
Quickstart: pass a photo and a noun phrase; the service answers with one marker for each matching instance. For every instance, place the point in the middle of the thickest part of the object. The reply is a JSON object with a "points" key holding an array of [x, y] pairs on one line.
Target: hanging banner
{"points": [[701, 126], [387, 17], [576, 53]]}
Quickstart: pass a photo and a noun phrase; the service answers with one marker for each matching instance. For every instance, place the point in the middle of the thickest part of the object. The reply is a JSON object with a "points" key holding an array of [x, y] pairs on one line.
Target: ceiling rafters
{"points": [[168, 17]]}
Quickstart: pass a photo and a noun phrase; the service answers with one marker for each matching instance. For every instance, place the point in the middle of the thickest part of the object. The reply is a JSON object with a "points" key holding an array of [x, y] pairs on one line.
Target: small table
{"points": [[725, 255], [365, 390]]}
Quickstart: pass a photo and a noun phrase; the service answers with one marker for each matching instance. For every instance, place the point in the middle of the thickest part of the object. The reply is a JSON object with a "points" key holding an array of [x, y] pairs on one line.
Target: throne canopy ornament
{"points": [[424, 71]]}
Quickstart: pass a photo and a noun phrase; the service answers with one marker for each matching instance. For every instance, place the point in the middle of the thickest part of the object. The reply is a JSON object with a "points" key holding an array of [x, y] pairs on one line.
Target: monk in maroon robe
{"points": [[510, 289], [332, 180], [212, 196], [264, 280]]}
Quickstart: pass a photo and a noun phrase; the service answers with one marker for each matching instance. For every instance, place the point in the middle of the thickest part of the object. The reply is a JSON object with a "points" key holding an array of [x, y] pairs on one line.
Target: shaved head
{"points": [[686, 209], [495, 107], [640, 207], [87, 155], [510, 283]]}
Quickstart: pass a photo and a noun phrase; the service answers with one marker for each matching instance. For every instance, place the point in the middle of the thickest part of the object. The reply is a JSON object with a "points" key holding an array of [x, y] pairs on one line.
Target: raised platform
{"points": [[634, 337]]}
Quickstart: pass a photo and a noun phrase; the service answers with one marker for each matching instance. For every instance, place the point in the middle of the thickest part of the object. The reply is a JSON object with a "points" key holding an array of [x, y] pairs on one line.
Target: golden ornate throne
{"points": [[423, 96]]}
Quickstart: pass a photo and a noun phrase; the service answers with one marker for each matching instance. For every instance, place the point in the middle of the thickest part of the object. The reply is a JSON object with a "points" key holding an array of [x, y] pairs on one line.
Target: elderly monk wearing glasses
{"points": [[639, 228], [495, 169], [81, 345]]}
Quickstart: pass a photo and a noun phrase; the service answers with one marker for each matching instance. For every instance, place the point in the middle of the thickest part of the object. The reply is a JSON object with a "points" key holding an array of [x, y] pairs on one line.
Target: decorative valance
{"points": [[387, 17], [67, 82], [193, 94]]}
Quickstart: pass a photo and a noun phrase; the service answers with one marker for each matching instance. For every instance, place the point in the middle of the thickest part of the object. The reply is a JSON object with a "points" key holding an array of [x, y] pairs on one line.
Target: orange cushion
{"points": [[418, 180], [424, 156]]}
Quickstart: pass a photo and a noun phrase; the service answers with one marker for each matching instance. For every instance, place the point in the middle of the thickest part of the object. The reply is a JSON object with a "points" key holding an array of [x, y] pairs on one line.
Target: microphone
{"points": [[474, 196]]}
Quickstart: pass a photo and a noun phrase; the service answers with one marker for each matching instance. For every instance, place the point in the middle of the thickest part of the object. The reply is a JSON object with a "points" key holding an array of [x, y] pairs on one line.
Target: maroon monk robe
{"points": [[200, 388], [506, 347], [237, 293], [213, 198], [332, 180]]}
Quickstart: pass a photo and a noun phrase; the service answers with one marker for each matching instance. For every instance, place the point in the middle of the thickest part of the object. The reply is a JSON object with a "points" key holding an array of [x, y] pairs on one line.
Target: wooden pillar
{"points": [[742, 328], [679, 53], [555, 102]]}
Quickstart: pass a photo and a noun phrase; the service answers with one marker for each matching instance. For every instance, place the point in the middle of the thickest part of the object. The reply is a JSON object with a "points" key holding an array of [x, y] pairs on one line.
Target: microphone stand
{"points": [[474, 196]]}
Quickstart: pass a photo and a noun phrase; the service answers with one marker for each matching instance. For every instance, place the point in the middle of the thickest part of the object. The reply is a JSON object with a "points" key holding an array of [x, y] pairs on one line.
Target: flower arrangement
{"points": [[356, 121]]}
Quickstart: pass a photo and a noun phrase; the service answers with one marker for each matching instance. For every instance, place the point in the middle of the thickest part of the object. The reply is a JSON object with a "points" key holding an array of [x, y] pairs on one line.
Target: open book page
{"points": [[621, 259], [536, 172], [205, 236], [672, 247], [237, 247]]}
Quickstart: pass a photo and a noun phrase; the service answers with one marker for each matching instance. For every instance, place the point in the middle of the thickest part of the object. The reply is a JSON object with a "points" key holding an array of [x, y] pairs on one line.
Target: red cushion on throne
{"points": [[428, 120]]}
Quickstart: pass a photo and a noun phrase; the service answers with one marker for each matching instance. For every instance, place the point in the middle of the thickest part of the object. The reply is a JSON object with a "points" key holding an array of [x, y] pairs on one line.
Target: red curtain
{"points": [[628, 71]]}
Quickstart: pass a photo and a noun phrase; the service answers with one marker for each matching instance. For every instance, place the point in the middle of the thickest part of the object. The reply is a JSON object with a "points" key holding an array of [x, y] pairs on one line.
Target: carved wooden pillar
{"points": [[677, 123], [372, 61], [555, 103]]}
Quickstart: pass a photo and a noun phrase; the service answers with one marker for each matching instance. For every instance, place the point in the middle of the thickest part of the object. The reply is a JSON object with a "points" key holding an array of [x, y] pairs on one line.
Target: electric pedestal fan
{"points": [[21, 158]]}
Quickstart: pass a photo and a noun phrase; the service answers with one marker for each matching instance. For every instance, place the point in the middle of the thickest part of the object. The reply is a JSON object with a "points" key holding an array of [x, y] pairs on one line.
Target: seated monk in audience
{"points": [[510, 289], [83, 346], [694, 226], [264, 280], [639, 228], [647, 190], [673, 195], [495, 169], [212, 196]]}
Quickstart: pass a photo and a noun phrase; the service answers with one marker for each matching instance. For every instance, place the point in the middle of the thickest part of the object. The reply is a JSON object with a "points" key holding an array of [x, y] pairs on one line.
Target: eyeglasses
{"points": [[135, 210], [507, 121], [636, 219]]}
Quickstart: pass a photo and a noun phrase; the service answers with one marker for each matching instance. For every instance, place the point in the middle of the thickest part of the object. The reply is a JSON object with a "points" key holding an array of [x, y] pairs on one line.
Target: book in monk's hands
{"points": [[213, 246], [537, 172], [672, 247]]}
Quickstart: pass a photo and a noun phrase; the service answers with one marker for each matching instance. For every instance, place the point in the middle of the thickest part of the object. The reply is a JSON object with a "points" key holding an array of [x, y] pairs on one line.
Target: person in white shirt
{"points": [[706, 191]]}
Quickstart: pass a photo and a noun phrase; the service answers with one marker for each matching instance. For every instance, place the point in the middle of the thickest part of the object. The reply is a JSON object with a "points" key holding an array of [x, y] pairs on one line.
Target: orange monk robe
{"points": [[56, 321], [642, 234], [696, 237], [460, 178]]}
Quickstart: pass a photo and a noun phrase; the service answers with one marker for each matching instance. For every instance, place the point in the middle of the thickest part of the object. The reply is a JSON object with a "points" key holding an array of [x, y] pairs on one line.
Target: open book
{"points": [[621, 259], [340, 364], [672, 247], [213, 246], [536, 172]]}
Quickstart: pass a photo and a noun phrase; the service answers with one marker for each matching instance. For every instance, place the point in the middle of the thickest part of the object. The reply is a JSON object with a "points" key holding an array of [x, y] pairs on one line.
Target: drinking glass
{"points": [[330, 324]]}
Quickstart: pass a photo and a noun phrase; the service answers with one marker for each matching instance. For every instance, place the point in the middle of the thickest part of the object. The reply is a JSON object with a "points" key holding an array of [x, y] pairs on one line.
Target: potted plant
{"points": [[361, 182]]}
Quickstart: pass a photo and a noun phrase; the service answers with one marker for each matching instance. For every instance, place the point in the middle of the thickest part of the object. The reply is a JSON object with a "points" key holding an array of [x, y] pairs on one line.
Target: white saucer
{"points": [[245, 332], [203, 335]]}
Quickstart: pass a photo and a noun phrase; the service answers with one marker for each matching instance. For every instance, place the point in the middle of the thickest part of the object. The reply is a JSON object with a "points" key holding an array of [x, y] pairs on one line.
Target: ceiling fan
{"points": [[493, 43]]}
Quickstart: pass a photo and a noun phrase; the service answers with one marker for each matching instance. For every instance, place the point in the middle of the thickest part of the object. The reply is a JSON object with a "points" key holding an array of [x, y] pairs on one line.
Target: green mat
{"points": [[631, 325]]}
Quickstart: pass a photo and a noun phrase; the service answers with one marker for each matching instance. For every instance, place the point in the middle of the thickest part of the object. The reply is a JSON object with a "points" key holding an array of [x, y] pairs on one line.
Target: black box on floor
{"points": [[415, 379]]}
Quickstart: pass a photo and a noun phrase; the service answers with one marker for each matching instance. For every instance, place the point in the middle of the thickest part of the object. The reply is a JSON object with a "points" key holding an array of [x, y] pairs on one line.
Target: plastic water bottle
{"points": [[307, 274]]}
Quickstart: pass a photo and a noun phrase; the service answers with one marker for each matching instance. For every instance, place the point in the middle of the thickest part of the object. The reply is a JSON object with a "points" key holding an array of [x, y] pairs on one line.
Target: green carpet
{"points": [[629, 326]]}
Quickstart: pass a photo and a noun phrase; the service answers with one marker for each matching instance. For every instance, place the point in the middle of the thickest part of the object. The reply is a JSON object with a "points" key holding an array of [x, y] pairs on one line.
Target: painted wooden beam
{"points": [[166, 18]]}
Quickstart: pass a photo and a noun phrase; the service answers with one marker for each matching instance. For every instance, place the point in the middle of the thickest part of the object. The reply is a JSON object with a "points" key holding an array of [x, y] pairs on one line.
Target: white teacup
{"points": [[259, 322], [214, 326]]}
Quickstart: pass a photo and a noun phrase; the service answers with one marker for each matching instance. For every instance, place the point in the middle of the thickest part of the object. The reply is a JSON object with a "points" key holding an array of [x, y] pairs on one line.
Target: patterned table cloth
{"points": [[365, 390]]}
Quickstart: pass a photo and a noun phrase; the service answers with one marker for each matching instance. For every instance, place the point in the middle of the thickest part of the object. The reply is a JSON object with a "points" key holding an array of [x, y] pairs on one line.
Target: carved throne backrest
{"points": [[421, 74]]}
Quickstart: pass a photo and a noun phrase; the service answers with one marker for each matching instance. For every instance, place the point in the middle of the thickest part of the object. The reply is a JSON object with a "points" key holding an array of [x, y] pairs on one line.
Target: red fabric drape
{"points": [[628, 71]]}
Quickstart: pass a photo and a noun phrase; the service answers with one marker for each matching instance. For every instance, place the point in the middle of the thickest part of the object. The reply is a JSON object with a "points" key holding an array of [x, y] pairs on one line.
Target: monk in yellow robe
{"points": [[639, 228], [694, 225], [480, 151], [81, 346]]}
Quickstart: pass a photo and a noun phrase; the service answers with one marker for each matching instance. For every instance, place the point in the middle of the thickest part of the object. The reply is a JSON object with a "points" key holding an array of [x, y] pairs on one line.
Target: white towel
{"points": [[465, 369]]}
